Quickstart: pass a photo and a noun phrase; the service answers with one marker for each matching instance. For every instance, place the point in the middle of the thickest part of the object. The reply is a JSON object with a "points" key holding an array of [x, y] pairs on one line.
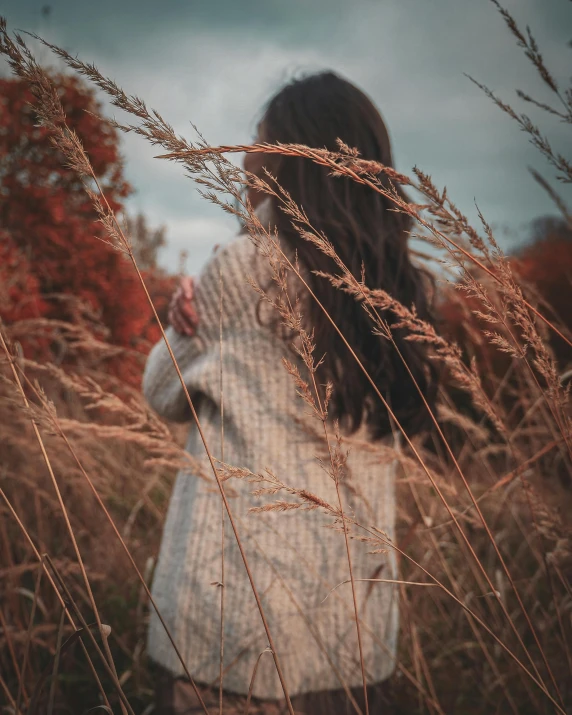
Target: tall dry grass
{"points": [[483, 499]]}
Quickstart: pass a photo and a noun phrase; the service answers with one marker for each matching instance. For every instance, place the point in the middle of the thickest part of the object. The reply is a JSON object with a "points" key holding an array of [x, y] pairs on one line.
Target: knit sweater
{"points": [[295, 559]]}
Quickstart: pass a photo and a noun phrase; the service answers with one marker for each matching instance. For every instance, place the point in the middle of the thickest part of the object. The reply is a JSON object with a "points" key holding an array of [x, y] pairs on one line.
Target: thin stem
{"points": [[222, 513], [29, 637], [354, 597], [55, 669]]}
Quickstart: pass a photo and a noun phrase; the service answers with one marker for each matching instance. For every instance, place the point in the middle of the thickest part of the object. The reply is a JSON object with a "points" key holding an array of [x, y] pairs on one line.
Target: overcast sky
{"points": [[215, 62]]}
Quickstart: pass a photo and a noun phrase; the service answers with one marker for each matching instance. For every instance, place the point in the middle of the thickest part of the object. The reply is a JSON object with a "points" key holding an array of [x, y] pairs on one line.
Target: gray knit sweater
{"points": [[294, 557]]}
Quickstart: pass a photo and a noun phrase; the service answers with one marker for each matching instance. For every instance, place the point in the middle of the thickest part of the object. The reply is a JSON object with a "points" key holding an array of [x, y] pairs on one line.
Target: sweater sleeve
{"points": [[227, 270]]}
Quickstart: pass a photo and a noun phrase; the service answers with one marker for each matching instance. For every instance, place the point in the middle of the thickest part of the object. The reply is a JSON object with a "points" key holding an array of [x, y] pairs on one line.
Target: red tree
{"points": [[51, 242]]}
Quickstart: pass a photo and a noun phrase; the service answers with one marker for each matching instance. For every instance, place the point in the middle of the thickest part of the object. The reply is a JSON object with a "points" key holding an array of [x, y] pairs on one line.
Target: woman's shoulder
{"points": [[238, 255]]}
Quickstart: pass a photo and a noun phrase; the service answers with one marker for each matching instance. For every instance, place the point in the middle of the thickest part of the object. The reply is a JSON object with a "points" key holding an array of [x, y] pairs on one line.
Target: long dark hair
{"points": [[316, 110]]}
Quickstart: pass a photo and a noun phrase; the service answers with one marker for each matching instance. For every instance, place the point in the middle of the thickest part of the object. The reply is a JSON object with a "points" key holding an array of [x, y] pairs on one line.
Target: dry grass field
{"points": [[484, 499]]}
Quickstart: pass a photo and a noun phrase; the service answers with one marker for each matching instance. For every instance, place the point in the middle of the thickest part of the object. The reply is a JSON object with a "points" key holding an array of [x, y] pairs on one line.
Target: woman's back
{"points": [[294, 557]]}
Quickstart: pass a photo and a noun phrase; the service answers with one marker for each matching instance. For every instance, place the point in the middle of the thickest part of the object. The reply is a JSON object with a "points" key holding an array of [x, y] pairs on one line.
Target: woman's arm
{"points": [[226, 271], [161, 384]]}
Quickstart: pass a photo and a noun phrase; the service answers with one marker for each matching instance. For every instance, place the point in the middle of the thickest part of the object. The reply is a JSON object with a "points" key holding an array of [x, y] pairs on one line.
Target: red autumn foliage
{"points": [[20, 297], [51, 242]]}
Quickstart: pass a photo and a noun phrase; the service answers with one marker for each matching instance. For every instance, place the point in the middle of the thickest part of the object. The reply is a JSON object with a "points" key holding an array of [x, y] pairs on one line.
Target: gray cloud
{"points": [[216, 63]]}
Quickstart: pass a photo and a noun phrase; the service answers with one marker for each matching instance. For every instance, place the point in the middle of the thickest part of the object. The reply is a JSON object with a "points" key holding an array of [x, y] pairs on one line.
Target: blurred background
{"points": [[215, 64]]}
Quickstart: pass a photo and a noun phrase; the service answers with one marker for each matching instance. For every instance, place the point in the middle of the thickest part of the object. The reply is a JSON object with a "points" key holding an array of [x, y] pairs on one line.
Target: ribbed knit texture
{"points": [[266, 425]]}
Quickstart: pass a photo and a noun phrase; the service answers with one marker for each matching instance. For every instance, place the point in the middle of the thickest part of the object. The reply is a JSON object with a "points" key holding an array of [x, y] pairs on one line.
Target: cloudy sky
{"points": [[215, 62]]}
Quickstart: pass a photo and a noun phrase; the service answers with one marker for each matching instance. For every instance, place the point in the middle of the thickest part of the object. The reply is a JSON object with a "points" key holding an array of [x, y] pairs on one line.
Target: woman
{"points": [[294, 559]]}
